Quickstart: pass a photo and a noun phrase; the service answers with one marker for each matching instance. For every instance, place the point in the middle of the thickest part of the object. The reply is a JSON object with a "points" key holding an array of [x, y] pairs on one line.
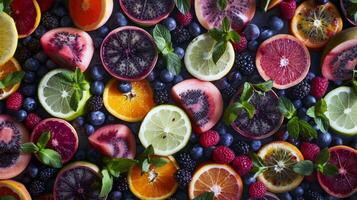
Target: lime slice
{"points": [[55, 96], [167, 128], [341, 110], [8, 37], [199, 62]]}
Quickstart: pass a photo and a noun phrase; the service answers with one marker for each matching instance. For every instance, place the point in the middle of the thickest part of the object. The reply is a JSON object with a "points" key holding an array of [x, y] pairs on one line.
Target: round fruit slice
{"points": [[339, 58], [116, 141], [274, 3], [8, 38], [239, 12], [9, 67], [27, 16], [267, 196], [55, 94], [157, 184], [78, 180], [220, 179], [341, 110], [315, 24], [199, 62], [89, 15], [284, 60], [14, 189], [129, 53], [167, 128], [147, 12], [267, 117], [131, 106], [344, 184], [64, 138], [280, 157], [12, 135]]}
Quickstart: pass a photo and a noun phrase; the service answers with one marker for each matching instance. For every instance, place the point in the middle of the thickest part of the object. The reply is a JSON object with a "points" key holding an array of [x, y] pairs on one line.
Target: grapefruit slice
{"points": [[344, 184], [27, 16], [284, 60], [9, 67], [13, 189], [8, 38], [89, 15]]}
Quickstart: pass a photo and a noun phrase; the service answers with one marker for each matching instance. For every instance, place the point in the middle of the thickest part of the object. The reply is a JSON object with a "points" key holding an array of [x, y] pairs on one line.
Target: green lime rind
{"points": [[342, 110], [54, 96], [167, 128]]}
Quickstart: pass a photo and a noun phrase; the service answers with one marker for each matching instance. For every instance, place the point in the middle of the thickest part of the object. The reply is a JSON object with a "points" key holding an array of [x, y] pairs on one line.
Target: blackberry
{"points": [[95, 103], [313, 195], [161, 96], [301, 90], [50, 21], [245, 63], [181, 35], [122, 184], [240, 147], [183, 177], [37, 187], [228, 92], [185, 161], [46, 173], [22, 54], [34, 45]]}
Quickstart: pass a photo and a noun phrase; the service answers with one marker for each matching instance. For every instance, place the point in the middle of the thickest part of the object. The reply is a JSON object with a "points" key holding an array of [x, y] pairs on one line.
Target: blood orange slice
{"points": [[283, 59], [16, 190], [9, 67], [344, 184]]}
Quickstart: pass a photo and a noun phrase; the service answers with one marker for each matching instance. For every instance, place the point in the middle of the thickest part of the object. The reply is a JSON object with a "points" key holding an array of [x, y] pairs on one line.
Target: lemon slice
{"points": [[8, 38]]}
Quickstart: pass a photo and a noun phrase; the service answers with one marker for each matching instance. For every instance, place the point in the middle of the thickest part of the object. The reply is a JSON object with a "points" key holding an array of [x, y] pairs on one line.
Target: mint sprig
{"points": [[183, 6], [205, 196], [11, 79], [222, 36], [5, 6], [163, 42], [222, 4], [317, 112], [47, 156]]}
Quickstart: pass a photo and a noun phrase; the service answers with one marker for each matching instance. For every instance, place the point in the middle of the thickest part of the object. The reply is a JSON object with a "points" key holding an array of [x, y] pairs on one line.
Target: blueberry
{"points": [[252, 32], [249, 179], [286, 196], [50, 64], [222, 83], [193, 138], [293, 141], [60, 11], [110, 119], [310, 76], [180, 52], [29, 104], [281, 93], [89, 129], [284, 136], [97, 72], [338, 82], [66, 21], [170, 23], [309, 101], [301, 112], [276, 23], [253, 45], [28, 90], [299, 191], [166, 76], [324, 139], [103, 31], [119, 20], [255, 145], [194, 29], [41, 56], [158, 85], [297, 103], [221, 129], [207, 152], [20, 115], [265, 34], [31, 64], [97, 88], [178, 79], [234, 78], [32, 170], [96, 118], [41, 71], [26, 40], [151, 77], [196, 152], [78, 122], [226, 139], [124, 86], [321, 2], [29, 77], [337, 141], [40, 30], [116, 195], [97, 42]]}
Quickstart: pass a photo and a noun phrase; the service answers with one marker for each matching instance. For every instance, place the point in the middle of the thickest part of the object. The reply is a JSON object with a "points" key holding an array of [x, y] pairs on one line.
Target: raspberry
{"points": [[309, 150], [223, 155], [209, 138], [287, 9], [257, 190], [319, 87], [241, 45], [32, 120], [242, 164], [184, 19], [14, 102]]}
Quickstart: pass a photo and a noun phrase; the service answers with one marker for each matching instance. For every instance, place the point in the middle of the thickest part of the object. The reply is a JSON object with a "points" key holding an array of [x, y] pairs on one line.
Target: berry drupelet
{"points": [[95, 103], [185, 161], [301, 90], [183, 177], [245, 63]]}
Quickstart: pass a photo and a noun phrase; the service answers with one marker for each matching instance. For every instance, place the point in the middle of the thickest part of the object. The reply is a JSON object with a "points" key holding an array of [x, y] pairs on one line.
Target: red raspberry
{"points": [[319, 87], [223, 155], [287, 9], [209, 138], [241, 45], [184, 19], [242, 164], [32, 120], [14, 102], [309, 150], [257, 190]]}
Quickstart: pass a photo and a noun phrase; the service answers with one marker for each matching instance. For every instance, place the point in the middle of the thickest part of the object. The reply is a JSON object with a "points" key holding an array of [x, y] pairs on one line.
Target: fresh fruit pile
{"points": [[178, 99]]}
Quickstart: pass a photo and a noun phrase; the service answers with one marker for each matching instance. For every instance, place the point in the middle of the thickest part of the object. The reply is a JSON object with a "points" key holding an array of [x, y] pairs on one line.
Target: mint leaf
{"points": [[29, 148], [307, 130], [286, 107], [257, 161], [311, 112], [161, 31], [249, 108], [293, 127], [75, 99], [146, 154], [247, 92], [322, 157], [265, 5], [321, 107], [173, 62], [145, 166], [304, 167], [219, 50], [67, 76], [183, 6], [11, 79], [43, 140], [1, 10], [116, 166], [50, 157], [353, 1], [159, 162], [107, 183], [329, 170], [222, 4], [216, 34], [226, 25], [233, 36], [265, 86], [205, 196], [323, 123], [7, 197], [231, 113], [5, 6]]}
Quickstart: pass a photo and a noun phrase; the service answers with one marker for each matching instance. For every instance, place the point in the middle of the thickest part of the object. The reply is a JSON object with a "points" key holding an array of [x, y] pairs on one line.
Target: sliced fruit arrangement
{"points": [[167, 128], [284, 60], [280, 156], [131, 106], [199, 62], [6, 69], [12, 135], [220, 179], [116, 141], [8, 38], [148, 12], [89, 15], [315, 24], [344, 184], [129, 53], [201, 100], [159, 183], [340, 55], [14, 189]]}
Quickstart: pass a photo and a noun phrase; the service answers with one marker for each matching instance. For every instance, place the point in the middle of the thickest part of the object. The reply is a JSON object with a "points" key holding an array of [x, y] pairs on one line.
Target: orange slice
{"points": [[89, 15], [159, 183], [220, 179], [10, 66], [14, 189], [132, 106]]}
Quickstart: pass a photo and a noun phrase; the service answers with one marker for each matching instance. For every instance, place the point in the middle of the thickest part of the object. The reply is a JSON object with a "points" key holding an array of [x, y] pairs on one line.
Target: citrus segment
{"points": [[220, 179], [14, 189], [9, 67], [131, 106], [8, 38]]}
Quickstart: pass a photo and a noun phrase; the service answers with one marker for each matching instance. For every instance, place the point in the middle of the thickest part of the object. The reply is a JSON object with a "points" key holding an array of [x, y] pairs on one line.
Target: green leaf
{"points": [[161, 31], [323, 123], [29, 148], [222, 4], [233, 36], [173, 62], [257, 161], [226, 25], [50, 157], [216, 34], [265, 86], [75, 99], [219, 50], [353, 1], [67, 76], [329, 170], [321, 107], [5, 6], [183, 6], [322, 157], [304, 167], [1, 10], [161, 44], [116, 166], [84, 85], [145, 166], [43, 140], [231, 113], [247, 92], [265, 5], [107, 183], [293, 127], [311, 112], [286, 107], [307, 130], [146, 154], [249, 108], [7, 197], [205, 196], [12, 79], [159, 162]]}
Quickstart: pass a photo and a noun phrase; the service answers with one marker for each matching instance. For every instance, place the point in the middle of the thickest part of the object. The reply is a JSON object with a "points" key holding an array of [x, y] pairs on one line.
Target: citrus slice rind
{"points": [[8, 38], [9, 67]]}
